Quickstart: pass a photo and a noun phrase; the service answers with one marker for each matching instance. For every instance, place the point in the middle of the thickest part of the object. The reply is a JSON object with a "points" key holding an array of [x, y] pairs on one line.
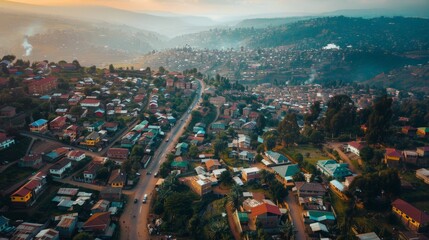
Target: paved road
{"points": [[136, 227], [297, 218]]}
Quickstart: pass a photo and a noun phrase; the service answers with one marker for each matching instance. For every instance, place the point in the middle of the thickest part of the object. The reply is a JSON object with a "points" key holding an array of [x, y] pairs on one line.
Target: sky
{"points": [[222, 8]]}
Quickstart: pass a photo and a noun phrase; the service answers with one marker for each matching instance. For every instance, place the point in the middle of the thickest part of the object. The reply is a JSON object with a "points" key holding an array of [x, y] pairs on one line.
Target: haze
{"points": [[218, 9]]}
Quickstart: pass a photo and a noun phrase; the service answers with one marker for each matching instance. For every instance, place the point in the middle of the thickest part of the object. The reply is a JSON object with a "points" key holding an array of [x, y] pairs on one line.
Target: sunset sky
{"points": [[237, 7]]}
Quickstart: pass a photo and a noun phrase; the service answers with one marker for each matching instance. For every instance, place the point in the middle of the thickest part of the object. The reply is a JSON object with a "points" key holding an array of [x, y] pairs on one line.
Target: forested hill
{"points": [[396, 34]]}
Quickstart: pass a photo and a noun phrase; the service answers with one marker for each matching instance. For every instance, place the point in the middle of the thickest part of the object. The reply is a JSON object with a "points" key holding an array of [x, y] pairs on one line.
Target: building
{"points": [[58, 123], [212, 164], [412, 217], [423, 174], [182, 166], [287, 171], [423, 131], [41, 86], [26, 231], [27, 194], [333, 169], [276, 157], [310, 189], [101, 206], [8, 111], [111, 193], [90, 172], [71, 132], [249, 174], [98, 223], [4, 223], [59, 169], [90, 103], [266, 214], [246, 156], [392, 157], [117, 179], [31, 160], [39, 126], [5, 142], [48, 234], [423, 151], [200, 186], [92, 139], [338, 188], [118, 155], [67, 226], [76, 155], [355, 147]]}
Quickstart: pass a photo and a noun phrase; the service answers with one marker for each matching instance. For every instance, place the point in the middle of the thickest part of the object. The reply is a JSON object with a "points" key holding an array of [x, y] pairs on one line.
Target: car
{"points": [[144, 198], [135, 200], [156, 174], [168, 139], [138, 174], [148, 173]]}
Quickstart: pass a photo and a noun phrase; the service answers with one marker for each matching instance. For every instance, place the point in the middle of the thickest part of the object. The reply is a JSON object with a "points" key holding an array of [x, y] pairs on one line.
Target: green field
{"points": [[311, 154]]}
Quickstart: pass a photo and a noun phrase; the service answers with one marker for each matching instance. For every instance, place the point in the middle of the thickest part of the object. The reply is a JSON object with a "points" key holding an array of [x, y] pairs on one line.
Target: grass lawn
{"points": [[311, 154], [339, 205], [14, 174], [16, 151]]}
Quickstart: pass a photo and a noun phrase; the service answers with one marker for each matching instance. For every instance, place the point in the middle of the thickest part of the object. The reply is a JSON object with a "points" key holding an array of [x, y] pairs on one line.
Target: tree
{"points": [[289, 130], [379, 120], [341, 115], [366, 154], [278, 191], [270, 142], [193, 151], [260, 123], [258, 158], [287, 232], [235, 196], [266, 176], [316, 137], [111, 68], [226, 178], [83, 236], [179, 204], [298, 157], [103, 173], [315, 111]]}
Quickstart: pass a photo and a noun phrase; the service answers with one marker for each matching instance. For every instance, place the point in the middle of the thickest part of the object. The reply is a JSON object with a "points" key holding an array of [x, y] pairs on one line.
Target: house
{"points": [[90, 172], [100, 206], [287, 171], [310, 189], [200, 185], [218, 126], [90, 103], [423, 174], [26, 231], [41, 86], [92, 139], [48, 234], [412, 217], [8, 111], [59, 169], [212, 164], [117, 179], [111, 193], [4, 223], [242, 142], [276, 157], [5, 142], [71, 132], [367, 236], [355, 147], [408, 130], [392, 157], [58, 123], [266, 214], [333, 169], [217, 101], [320, 216], [423, 151], [423, 131], [118, 155], [182, 166], [97, 126], [55, 155], [39, 126], [76, 155], [130, 139], [249, 174], [246, 156], [410, 157], [338, 188], [67, 226], [98, 223], [31, 160], [111, 126], [27, 194]]}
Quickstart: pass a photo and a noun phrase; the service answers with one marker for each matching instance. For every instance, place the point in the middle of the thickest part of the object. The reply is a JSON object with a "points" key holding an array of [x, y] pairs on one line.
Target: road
{"points": [[136, 227]]}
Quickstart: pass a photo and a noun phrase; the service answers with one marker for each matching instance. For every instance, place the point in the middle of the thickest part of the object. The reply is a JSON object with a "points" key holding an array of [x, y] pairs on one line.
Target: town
{"points": [[124, 153]]}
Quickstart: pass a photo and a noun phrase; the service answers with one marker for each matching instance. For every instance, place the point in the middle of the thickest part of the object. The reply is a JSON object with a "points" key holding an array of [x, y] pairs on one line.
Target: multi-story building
{"points": [[41, 86], [249, 174]]}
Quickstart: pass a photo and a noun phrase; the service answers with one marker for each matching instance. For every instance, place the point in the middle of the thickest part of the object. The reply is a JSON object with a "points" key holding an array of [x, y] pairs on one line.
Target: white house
{"points": [[355, 147], [59, 169], [5, 141], [76, 155], [251, 173], [246, 156]]}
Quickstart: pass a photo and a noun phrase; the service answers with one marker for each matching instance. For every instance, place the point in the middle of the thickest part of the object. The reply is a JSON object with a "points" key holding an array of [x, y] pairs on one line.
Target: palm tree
{"points": [[219, 229], [287, 230], [235, 196]]}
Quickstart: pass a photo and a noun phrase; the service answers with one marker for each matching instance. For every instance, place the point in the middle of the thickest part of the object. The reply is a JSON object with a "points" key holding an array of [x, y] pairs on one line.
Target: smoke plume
{"points": [[27, 47]]}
